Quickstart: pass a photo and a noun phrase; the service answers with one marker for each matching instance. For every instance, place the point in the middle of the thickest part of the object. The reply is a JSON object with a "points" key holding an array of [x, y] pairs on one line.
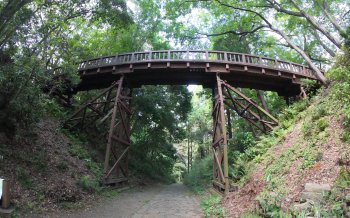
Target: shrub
{"points": [[89, 184], [200, 174], [322, 124]]}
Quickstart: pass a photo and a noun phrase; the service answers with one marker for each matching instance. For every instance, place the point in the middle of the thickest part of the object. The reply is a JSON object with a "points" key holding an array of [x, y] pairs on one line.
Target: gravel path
{"points": [[173, 200]]}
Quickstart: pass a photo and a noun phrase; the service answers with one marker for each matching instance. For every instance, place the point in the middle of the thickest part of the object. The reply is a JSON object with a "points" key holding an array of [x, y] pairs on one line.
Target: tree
{"points": [[35, 38], [159, 121], [290, 23]]}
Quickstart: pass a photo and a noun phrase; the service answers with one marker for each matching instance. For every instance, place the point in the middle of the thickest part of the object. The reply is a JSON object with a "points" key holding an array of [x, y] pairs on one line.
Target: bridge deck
{"points": [[194, 67]]}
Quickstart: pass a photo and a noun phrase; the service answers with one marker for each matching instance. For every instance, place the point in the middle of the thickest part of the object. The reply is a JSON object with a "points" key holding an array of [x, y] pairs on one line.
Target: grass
{"points": [[89, 184], [211, 206]]}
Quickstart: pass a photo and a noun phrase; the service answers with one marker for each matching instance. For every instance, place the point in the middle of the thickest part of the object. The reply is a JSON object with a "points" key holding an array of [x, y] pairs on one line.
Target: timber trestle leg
{"points": [[219, 146], [118, 144], [113, 105], [229, 99]]}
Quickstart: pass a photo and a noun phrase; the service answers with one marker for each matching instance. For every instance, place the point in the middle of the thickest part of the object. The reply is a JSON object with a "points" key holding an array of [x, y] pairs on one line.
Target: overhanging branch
{"points": [[244, 33]]}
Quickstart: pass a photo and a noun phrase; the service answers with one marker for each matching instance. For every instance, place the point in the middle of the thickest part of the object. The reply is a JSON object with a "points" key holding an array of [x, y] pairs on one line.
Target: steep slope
{"points": [[46, 168], [310, 147]]}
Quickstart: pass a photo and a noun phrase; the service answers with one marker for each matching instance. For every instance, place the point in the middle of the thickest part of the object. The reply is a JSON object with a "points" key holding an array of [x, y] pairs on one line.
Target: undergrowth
{"points": [[211, 206], [331, 103], [86, 182], [200, 174]]}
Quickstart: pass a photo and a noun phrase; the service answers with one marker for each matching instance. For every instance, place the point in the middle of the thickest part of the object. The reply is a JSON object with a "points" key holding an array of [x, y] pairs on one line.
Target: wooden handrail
{"points": [[195, 55]]}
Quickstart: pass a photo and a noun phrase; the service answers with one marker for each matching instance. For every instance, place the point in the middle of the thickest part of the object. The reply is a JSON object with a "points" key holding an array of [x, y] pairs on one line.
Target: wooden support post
{"points": [[188, 154], [223, 132], [109, 143], [6, 195]]}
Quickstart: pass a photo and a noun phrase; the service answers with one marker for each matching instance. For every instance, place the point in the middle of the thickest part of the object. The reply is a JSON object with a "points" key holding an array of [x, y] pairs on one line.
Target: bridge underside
{"points": [[180, 73]]}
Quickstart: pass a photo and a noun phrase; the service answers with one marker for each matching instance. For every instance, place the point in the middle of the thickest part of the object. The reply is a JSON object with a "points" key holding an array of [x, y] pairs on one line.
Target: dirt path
{"points": [[160, 201]]}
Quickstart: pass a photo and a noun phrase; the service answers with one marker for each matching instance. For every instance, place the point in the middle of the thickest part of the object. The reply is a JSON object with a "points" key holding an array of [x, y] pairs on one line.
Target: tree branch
{"points": [[279, 8], [244, 33], [318, 73], [317, 26], [324, 46], [330, 17]]}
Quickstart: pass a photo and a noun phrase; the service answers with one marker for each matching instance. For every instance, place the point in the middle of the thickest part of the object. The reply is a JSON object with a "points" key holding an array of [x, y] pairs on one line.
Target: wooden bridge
{"points": [[221, 71], [194, 67]]}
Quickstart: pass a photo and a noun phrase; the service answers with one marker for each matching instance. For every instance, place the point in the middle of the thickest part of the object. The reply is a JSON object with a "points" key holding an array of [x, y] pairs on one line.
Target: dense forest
{"points": [[172, 126]]}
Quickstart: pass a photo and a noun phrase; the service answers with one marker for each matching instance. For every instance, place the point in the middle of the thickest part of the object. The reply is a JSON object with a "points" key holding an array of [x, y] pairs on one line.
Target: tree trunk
{"points": [[330, 17], [317, 71], [260, 95], [324, 46], [317, 26], [229, 124]]}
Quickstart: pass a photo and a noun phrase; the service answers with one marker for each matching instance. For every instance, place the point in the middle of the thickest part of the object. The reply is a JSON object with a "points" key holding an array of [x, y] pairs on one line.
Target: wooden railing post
{"points": [[6, 195]]}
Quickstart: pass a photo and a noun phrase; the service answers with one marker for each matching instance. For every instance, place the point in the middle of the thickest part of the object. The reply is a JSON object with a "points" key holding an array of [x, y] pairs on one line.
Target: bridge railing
{"points": [[194, 55]]}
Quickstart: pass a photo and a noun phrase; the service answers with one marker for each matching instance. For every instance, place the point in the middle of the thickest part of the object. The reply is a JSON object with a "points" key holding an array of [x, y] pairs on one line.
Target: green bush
{"points": [[89, 184], [200, 174], [343, 179], [322, 124]]}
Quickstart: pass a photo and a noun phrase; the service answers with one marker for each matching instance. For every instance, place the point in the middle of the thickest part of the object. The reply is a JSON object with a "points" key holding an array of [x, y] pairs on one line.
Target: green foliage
{"points": [[200, 174], [270, 205], [322, 124], [308, 84], [179, 171], [309, 156], [54, 109], [343, 179], [20, 100], [110, 193], [36, 37], [76, 148], [89, 184], [162, 111], [211, 206], [320, 111]]}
